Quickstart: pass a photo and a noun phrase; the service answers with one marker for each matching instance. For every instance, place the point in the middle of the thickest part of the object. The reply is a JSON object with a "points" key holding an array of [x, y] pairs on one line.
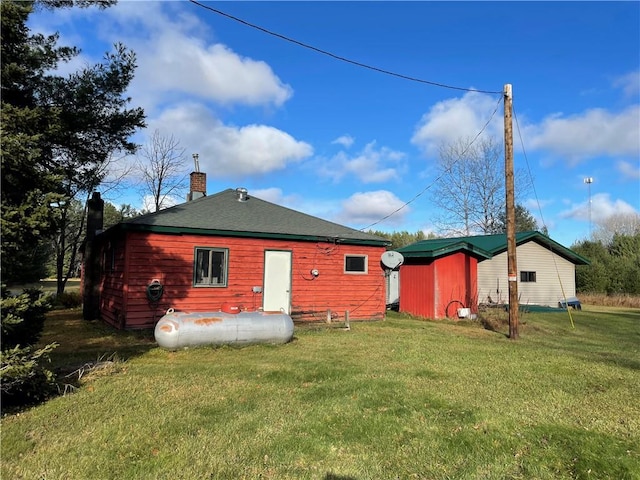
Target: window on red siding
{"points": [[210, 267], [355, 264]]}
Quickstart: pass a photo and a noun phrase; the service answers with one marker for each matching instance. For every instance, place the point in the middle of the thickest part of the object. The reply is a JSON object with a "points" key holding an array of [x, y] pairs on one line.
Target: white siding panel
{"points": [[553, 275]]}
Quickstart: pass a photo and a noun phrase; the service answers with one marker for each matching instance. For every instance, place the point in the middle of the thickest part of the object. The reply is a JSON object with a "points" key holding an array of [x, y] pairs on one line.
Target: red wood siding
{"points": [[170, 259], [456, 284], [416, 289], [428, 287]]}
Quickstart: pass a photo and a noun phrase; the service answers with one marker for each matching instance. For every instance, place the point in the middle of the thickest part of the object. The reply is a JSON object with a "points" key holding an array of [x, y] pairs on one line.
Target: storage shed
{"points": [[441, 275], [546, 269], [231, 248]]}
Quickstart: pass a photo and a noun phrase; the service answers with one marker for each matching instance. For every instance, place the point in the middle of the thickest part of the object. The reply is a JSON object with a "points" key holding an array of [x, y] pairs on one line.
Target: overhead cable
{"points": [[333, 55], [444, 172], [535, 193]]}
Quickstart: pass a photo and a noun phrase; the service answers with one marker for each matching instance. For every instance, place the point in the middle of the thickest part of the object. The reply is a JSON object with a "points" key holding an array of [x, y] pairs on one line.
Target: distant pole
{"points": [[512, 267], [589, 181]]}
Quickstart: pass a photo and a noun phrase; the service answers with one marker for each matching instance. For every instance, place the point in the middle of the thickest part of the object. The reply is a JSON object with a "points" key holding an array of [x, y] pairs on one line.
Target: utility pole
{"points": [[512, 266]]}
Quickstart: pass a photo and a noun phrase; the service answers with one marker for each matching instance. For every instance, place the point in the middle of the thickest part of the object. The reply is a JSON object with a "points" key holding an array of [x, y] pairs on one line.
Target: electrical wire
{"points": [[333, 55], [535, 194], [445, 171], [380, 70]]}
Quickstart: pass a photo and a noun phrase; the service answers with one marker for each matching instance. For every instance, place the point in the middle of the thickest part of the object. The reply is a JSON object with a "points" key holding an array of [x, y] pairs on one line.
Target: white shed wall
{"points": [[531, 257]]}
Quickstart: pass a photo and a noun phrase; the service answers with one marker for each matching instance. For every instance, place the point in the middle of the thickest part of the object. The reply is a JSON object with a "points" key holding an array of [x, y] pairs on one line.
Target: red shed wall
{"points": [[456, 284], [170, 258], [428, 287], [417, 288]]}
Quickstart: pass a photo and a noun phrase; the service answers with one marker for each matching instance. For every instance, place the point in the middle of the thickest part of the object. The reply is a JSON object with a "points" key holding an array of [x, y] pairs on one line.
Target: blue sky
{"points": [[351, 145]]}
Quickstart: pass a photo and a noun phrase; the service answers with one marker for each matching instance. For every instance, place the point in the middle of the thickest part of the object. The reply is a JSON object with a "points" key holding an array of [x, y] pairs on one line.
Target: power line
{"points": [[333, 55], [535, 194], [445, 171]]}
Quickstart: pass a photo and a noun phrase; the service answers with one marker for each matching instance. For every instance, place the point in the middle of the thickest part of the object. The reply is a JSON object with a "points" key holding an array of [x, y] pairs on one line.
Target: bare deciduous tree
{"points": [[470, 187], [162, 165], [620, 223]]}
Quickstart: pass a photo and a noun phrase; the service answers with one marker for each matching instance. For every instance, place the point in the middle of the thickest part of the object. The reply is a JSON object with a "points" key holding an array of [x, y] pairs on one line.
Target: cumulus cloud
{"points": [[370, 165], [602, 207], [456, 118], [590, 134], [174, 62], [364, 208], [345, 140], [230, 151], [628, 170], [177, 56]]}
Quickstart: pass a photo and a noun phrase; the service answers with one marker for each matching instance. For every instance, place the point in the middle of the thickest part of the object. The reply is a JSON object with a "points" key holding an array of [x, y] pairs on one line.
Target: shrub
{"points": [[24, 379], [22, 317], [69, 300]]}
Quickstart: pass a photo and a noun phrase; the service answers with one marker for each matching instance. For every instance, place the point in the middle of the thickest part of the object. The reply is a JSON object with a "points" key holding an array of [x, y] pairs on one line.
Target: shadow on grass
{"points": [[332, 476], [88, 346]]}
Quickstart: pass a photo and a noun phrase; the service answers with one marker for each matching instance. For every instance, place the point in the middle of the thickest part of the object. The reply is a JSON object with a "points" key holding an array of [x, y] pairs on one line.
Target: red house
{"points": [[233, 250], [439, 276]]}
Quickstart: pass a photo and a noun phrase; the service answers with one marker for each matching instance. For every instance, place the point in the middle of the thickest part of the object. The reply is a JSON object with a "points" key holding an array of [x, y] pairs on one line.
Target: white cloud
{"points": [[229, 151], [345, 140], [148, 203], [456, 118], [590, 134], [628, 170], [364, 208], [275, 195], [370, 165], [602, 207], [175, 63], [176, 54], [629, 83]]}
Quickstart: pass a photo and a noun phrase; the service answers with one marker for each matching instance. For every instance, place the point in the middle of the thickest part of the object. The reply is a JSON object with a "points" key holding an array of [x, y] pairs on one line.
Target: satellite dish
{"points": [[392, 259]]}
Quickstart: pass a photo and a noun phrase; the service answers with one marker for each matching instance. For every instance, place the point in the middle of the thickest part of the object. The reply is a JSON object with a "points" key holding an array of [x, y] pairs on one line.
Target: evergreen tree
{"points": [[57, 134]]}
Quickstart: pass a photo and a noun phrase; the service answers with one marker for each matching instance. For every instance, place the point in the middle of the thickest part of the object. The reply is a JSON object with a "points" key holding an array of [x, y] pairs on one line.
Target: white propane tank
{"points": [[183, 329]]}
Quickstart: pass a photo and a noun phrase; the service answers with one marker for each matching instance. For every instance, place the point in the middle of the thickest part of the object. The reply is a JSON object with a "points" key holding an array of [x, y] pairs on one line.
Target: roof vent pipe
{"points": [[241, 193]]}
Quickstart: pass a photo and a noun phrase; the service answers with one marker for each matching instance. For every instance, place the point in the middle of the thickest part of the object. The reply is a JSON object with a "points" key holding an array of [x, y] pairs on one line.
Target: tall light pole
{"points": [[589, 181]]}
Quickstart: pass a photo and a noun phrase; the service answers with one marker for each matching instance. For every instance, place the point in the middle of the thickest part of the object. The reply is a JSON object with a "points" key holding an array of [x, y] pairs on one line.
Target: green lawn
{"points": [[401, 398]]}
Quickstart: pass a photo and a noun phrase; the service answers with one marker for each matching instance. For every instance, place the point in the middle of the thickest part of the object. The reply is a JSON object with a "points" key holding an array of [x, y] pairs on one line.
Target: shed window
{"points": [[210, 268], [527, 276], [355, 264]]}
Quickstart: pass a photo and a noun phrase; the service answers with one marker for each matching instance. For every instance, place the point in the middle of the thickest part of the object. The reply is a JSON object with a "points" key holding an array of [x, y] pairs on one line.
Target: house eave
{"points": [[247, 234]]}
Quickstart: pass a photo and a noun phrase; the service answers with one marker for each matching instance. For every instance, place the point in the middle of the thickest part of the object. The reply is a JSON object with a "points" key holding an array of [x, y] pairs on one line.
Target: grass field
{"points": [[400, 398]]}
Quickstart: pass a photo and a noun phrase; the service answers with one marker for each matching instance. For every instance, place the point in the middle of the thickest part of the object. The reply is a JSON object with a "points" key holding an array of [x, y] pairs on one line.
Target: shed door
{"points": [[277, 281]]}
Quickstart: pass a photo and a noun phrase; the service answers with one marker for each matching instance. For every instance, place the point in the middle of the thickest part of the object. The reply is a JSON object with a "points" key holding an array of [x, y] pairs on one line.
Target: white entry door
{"points": [[276, 295]]}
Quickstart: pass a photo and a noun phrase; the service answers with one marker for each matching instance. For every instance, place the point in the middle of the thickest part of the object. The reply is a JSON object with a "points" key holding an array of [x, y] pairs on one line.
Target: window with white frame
{"points": [[355, 264], [210, 267]]}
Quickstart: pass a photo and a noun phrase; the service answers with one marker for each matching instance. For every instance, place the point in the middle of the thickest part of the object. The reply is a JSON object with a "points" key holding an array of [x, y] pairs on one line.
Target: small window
{"points": [[109, 259], [210, 267], [527, 276], [355, 264]]}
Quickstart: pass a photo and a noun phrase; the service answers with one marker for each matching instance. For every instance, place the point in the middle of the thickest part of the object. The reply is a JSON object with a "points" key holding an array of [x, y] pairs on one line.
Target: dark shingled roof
{"points": [[223, 214], [486, 246]]}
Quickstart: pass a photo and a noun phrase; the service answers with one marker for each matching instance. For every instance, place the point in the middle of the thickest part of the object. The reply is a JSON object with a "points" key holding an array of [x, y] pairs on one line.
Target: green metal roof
{"points": [[223, 214], [488, 245], [440, 247]]}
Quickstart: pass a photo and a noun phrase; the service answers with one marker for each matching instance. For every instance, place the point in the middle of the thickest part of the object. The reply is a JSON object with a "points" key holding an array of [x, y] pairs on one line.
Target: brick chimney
{"points": [[91, 267], [197, 185], [198, 181]]}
